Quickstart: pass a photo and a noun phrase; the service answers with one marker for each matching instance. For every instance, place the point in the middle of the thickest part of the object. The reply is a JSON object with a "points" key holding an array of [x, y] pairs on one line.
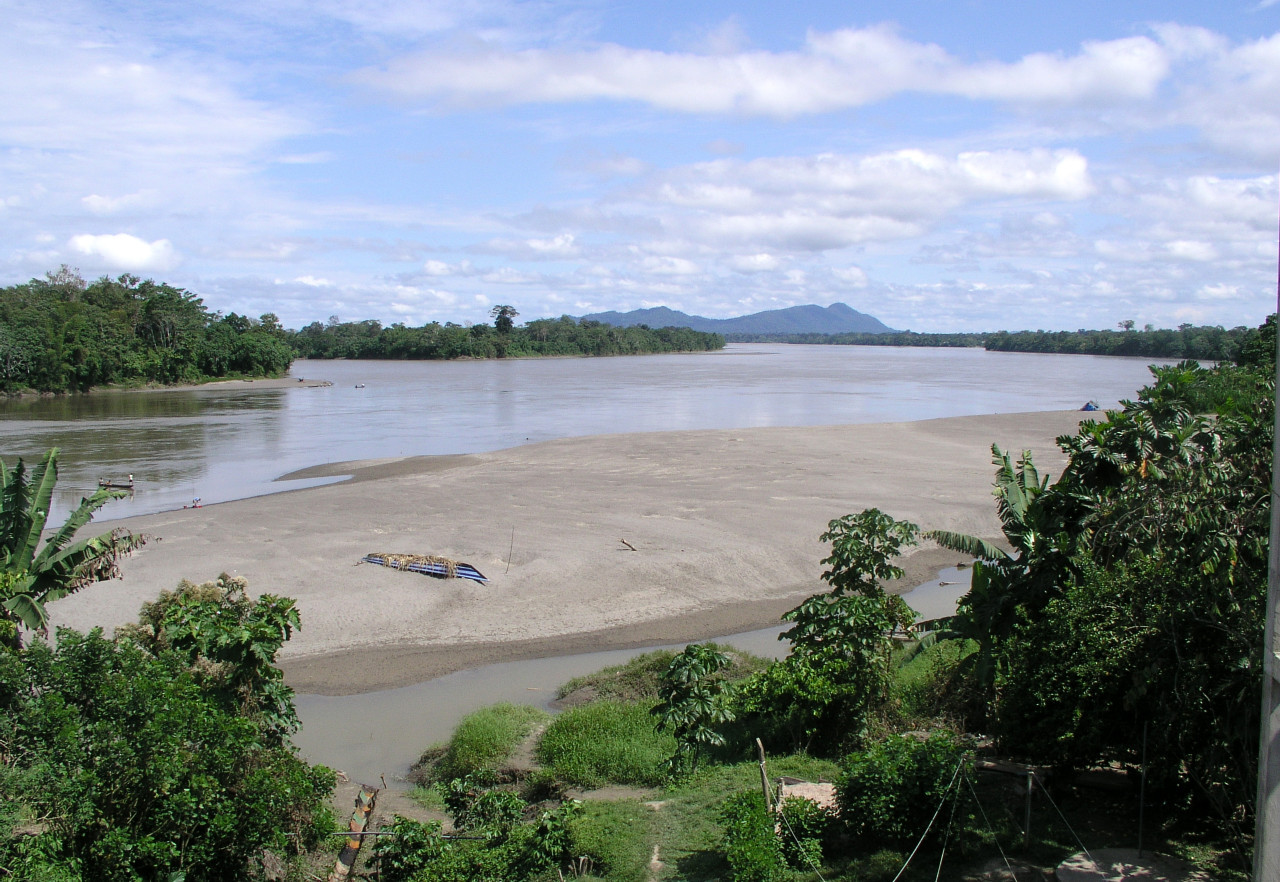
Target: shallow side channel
{"points": [[373, 735]]}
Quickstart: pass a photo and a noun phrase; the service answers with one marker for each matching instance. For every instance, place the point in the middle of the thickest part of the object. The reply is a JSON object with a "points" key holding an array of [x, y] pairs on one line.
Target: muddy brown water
{"points": [[221, 443], [375, 736]]}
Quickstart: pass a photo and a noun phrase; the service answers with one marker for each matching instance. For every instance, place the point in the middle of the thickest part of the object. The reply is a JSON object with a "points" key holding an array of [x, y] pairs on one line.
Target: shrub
{"points": [[751, 847], [931, 684], [412, 847], [606, 742], [141, 772], [889, 792], [805, 828], [486, 738]]}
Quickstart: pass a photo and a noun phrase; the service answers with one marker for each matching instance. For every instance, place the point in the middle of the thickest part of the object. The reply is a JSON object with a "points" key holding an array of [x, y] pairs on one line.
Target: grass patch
{"points": [[634, 680], [606, 742], [927, 688], [427, 797], [618, 837], [638, 679], [485, 739], [689, 828]]}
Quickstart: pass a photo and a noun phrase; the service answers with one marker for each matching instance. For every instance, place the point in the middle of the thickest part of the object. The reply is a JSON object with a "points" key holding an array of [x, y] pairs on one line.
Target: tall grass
{"points": [[606, 742], [485, 739]]}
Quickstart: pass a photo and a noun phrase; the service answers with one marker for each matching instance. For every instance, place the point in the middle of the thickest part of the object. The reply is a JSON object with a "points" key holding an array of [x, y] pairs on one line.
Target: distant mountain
{"points": [[834, 319]]}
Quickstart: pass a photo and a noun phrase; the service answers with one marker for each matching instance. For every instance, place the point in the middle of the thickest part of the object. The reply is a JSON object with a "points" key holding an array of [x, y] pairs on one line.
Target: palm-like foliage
{"points": [[40, 574], [1000, 585]]}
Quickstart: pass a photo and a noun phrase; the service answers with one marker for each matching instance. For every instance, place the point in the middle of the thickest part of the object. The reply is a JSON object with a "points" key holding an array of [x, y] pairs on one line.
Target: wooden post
{"points": [[364, 803], [764, 779], [1266, 839], [1026, 829]]}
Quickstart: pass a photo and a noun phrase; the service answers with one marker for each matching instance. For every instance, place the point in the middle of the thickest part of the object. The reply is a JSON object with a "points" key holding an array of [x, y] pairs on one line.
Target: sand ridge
{"points": [[724, 525]]}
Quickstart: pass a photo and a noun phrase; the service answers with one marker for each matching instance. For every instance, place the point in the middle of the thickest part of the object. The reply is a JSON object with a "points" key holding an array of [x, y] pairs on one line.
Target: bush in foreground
{"points": [[890, 791], [137, 772]]}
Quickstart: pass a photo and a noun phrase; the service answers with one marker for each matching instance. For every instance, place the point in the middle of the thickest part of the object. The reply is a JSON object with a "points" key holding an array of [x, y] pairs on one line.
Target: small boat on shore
{"points": [[427, 565]]}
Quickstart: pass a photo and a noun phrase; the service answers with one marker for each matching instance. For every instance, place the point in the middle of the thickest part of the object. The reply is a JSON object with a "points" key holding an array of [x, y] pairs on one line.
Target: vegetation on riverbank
{"points": [[1199, 343], [63, 334], [162, 754], [542, 337]]}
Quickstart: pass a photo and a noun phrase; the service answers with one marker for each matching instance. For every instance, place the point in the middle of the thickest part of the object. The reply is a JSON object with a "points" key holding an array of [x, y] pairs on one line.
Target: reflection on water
{"points": [[220, 443], [403, 722]]}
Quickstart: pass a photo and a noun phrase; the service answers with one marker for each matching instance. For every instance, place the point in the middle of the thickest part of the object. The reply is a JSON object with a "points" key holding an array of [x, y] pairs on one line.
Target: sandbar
{"points": [[608, 541]]}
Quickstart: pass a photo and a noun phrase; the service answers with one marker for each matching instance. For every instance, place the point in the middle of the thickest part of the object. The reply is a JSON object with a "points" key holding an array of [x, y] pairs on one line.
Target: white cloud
{"points": [[817, 203], [851, 275], [106, 205], [669, 266], [561, 246], [839, 69], [1115, 70], [125, 252], [1184, 249], [754, 263]]}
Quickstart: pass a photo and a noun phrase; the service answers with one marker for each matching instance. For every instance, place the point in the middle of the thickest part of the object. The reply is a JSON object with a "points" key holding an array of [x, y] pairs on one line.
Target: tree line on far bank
{"points": [[502, 339], [1197, 343], [63, 334]]}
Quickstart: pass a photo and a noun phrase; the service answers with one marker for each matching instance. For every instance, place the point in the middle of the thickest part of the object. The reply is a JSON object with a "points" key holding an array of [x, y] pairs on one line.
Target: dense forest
{"points": [[563, 336], [63, 334], [1207, 343]]}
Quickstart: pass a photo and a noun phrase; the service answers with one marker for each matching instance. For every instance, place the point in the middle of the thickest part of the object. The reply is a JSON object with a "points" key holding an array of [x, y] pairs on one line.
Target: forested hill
{"points": [[541, 337], [62, 334], [810, 319]]}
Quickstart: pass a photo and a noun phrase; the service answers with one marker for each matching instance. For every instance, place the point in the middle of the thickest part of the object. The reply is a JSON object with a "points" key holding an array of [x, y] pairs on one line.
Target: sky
{"points": [[943, 166]]}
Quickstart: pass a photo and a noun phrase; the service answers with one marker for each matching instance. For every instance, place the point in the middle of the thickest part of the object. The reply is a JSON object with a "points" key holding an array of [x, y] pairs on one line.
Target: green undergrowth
{"points": [[483, 740], [605, 742], [619, 834], [689, 830], [925, 685], [639, 678]]}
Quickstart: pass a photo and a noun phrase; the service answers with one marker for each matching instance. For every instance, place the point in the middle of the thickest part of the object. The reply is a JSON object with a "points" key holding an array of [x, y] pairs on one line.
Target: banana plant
{"points": [[999, 584], [36, 574]]}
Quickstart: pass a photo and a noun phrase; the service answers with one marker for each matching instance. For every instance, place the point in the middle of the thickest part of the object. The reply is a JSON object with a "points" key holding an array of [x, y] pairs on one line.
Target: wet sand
{"points": [[592, 543]]}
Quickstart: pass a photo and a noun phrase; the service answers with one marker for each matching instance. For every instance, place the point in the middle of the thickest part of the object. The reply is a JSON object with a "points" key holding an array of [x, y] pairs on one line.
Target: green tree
{"points": [[821, 696], [692, 703], [1135, 591], [503, 318], [39, 574], [229, 642], [136, 772]]}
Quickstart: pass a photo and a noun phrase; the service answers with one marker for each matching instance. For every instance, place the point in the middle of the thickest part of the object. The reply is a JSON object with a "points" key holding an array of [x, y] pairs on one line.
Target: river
{"points": [[222, 444]]}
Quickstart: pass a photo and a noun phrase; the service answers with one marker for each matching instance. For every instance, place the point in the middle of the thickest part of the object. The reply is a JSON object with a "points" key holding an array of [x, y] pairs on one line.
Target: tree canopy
{"points": [[63, 334], [563, 336]]}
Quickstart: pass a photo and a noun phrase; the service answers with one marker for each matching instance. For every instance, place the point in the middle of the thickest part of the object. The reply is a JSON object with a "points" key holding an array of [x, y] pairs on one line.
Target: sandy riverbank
{"points": [[724, 524]]}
